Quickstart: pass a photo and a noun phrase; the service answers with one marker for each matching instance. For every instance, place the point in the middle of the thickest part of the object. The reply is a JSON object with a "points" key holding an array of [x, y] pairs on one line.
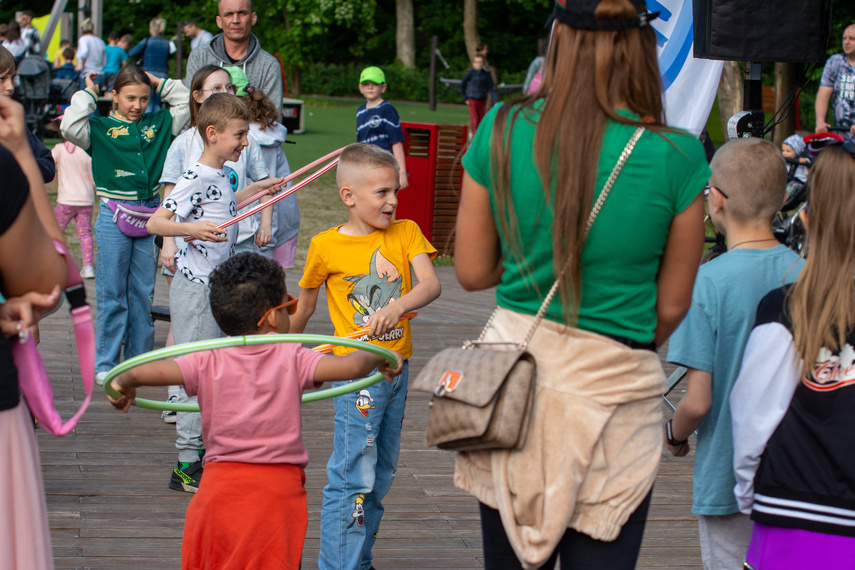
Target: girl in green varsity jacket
{"points": [[128, 148]]}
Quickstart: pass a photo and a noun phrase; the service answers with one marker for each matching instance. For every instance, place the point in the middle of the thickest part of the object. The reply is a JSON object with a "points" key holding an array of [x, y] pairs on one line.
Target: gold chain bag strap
{"points": [[482, 398]]}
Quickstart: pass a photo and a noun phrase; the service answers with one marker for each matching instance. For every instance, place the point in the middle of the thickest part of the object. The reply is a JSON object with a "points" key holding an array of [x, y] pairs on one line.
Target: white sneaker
{"points": [[100, 377], [88, 272], [170, 417]]}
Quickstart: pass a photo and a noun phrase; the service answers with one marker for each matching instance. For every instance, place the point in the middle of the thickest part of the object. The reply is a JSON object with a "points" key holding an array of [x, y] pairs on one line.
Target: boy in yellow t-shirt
{"points": [[59, 58], [365, 266]]}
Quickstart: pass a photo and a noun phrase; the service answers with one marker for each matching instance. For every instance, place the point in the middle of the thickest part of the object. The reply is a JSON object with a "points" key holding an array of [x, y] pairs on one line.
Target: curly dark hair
{"points": [[242, 289], [261, 109]]}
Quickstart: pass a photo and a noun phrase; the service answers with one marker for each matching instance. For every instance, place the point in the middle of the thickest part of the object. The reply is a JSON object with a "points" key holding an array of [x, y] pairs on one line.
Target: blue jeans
{"points": [[124, 287], [367, 442]]}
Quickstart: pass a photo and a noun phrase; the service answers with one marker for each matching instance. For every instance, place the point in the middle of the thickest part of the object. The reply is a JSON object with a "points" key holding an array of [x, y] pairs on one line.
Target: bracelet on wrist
{"points": [[669, 435]]}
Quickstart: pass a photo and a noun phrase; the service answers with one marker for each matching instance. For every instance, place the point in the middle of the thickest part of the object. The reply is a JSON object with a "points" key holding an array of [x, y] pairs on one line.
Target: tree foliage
{"points": [[362, 32], [293, 28], [341, 31]]}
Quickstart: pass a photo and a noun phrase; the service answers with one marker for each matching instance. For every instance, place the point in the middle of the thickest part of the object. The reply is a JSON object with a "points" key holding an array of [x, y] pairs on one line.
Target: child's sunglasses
{"points": [[291, 303]]}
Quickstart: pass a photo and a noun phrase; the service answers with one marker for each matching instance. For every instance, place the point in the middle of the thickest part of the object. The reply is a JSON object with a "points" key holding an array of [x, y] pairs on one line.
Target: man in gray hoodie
{"points": [[239, 47]]}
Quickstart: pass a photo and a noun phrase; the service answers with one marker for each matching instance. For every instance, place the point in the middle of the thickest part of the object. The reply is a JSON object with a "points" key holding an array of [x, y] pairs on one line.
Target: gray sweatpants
{"points": [[724, 540], [192, 320]]}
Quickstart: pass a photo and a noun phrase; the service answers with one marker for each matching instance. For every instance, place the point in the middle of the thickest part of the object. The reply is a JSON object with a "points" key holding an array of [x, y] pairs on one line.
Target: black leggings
{"points": [[577, 551]]}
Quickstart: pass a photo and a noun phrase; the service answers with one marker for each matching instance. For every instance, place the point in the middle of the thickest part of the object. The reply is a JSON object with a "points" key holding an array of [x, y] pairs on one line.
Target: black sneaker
{"points": [[186, 479]]}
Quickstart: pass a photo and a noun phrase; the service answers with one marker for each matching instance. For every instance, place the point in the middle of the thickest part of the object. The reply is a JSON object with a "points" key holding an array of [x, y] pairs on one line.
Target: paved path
{"points": [[110, 507]]}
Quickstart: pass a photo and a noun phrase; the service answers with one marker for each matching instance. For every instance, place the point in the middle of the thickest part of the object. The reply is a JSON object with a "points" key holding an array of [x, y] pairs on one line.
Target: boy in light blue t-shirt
{"points": [[747, 187], [117, 56]]}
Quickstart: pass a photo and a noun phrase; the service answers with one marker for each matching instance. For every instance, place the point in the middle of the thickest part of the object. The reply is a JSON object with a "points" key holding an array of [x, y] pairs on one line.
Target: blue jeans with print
{"points": [[361, 471], [124, 287]]}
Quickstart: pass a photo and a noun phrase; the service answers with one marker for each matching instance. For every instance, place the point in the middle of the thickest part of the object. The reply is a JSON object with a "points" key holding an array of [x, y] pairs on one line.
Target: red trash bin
{"points": [[432, 154]]}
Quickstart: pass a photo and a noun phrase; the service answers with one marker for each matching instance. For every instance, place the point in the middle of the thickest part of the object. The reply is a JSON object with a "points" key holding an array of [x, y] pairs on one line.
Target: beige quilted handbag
{"points": [[482, 396]]}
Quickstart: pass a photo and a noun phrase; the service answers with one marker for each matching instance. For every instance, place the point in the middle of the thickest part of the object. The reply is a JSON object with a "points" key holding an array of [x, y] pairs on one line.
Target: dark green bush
{"points": [[404, 84]]}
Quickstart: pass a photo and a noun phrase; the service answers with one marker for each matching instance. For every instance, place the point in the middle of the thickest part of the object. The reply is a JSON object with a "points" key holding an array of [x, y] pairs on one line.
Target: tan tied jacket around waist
{"points": [[593, 444]]}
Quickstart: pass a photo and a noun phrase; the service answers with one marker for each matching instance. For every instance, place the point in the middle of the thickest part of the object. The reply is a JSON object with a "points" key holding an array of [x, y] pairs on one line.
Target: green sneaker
{"points": [[186, 477]]}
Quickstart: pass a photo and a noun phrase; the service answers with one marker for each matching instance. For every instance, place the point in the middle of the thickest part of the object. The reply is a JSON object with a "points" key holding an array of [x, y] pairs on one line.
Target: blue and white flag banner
{"points": [[690, 84]]}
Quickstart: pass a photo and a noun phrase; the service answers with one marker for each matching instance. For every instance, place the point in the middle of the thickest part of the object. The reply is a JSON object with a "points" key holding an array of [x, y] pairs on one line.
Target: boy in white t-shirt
{"points": [[203, 198]]}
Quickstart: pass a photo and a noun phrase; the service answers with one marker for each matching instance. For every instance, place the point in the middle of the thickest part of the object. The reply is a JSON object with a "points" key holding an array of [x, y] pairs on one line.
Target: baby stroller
{"points": [[61, 91], [787, 226], [35, 90]]}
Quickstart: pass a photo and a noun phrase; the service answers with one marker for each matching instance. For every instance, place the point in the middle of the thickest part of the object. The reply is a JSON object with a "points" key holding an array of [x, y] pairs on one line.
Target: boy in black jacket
{"points": [[475, 86]]}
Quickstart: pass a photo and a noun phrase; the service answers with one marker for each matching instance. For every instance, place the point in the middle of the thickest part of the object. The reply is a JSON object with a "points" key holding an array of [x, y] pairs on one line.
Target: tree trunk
{"points": [[729, 93], [470, 26], [785, 75], [297, 72], [294, 89], [405, 36]]}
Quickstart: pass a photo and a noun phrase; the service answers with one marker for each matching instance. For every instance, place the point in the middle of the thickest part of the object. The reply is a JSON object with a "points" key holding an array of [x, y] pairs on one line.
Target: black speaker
{"points": [[762, 30]]}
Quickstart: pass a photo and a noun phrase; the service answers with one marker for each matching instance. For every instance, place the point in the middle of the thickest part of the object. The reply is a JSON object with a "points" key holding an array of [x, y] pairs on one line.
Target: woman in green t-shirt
{"points": [[579, 488]]}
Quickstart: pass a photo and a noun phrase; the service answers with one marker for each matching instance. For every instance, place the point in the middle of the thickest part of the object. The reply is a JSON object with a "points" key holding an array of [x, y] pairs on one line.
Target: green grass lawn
{"points": [[331, 124]]}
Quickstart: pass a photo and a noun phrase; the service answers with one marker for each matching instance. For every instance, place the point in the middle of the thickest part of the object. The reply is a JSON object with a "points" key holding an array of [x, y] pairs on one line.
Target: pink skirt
{"points": [[24, 532]]}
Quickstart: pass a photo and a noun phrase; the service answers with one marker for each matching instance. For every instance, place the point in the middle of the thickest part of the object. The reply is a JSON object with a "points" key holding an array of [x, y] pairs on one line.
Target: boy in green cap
{"points": [[377, 121]]}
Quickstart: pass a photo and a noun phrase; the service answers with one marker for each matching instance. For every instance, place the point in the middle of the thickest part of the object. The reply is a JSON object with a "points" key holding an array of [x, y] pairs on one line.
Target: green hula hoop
{"points": [[180, 349]]}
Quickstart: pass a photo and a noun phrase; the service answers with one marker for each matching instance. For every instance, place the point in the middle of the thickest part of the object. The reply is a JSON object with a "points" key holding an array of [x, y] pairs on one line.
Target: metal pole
{"points": [[98, 17], [434, 45], [753, 98], [753, 94], [82, 13], [179, 55], [53, 22]]}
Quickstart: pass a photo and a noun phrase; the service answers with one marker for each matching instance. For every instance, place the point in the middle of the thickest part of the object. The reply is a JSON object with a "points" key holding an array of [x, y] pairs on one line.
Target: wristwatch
{"points": [[669, 436]]}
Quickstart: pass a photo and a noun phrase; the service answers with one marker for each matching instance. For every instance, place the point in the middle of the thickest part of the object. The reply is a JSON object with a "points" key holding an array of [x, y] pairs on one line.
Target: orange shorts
{"points": [[246, 516]]}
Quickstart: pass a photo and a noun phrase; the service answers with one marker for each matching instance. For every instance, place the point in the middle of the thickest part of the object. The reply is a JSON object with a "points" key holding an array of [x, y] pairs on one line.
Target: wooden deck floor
{"points": [[110, 507]]}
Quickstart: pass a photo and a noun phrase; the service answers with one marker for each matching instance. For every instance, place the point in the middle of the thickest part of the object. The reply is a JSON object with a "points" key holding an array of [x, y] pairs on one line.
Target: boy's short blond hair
{"points": [[7, 62], [217, 111], [753, 174], [358, 157]]}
